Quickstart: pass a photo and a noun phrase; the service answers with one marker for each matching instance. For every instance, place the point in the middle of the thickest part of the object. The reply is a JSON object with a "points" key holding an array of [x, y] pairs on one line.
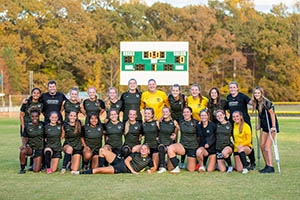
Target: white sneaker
{"points": [[75, 172], [201, 169], [161, 170], [175, 170], [63, 171], [181, 166], [245, 171], [230, 169]]}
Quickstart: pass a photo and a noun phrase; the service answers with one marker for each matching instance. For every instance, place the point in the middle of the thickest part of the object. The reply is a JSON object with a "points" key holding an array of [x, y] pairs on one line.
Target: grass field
{"points": [[185, 185]]}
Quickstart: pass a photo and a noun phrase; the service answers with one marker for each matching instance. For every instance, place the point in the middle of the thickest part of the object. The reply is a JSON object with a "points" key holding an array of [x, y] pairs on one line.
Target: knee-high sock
{"points": [[251, 157], [243, 159], [48, 159], [67, 158], [161, 154], [174, 161]]}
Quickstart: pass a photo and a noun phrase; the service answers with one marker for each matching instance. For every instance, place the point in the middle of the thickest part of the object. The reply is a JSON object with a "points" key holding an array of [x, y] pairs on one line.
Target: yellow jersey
{"points": [[243, 138], [197, 106], [156, 101]]}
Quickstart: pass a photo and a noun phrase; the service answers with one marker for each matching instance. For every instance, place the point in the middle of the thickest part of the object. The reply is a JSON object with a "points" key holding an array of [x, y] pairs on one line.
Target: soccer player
{"points": [[72, 145], [92, 105], [53, 135], [91, 138], [207, 149], [242, 142], [265, 110], [168, 130], [196, 101], [112, 102], [33, 141], [25, 118], [132, 164], [215, 103], [188, 142], [224, 146], [131, 100], [133, 133], [177, 102], [72, 104], [155, 99]]}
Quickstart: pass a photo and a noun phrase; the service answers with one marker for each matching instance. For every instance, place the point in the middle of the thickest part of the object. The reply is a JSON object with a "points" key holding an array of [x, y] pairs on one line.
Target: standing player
{"points": [[131, 100], [53, 135], [33, 141], [155, 99], [92, 105], [215, 103], [112, 102], [72, 104], [196, 101], [188, 142], [33, 101], [263, 106], [237, 101]]}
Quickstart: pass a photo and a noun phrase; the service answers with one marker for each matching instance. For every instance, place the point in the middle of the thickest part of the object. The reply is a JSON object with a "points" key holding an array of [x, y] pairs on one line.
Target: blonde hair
{"points": [[241, 125], [127, 124], [107, 101], [256, 102]]}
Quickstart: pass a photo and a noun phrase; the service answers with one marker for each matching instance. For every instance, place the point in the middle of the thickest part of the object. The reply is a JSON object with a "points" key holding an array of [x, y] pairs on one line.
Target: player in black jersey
{"points": [[112, 102], [33, 141], [215, 102], [131, 100], [71, 104], [207, 150], [132, 164], [52, 151]]}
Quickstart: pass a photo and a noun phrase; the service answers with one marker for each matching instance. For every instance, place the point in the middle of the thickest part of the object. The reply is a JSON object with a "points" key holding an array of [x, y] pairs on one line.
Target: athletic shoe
{"points": [[49, 171], [85, 167], [252, 166], [175, 170], [262, 170], [197, 166], [69, 166], [230, 169], [22, 171], [201, 169], [245, 171], [75, 172], [268, 169], [63, 170], [30, 168], [181, 166], [161, 170]]}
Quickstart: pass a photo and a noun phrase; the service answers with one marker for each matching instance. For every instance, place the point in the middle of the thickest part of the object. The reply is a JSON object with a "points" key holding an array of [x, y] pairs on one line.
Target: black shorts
{"points": [[36, 153], [219, 152], [21, 132], [264, 126], [152, 151], [96, 152], [77, 151], [116, 151], [190, 152], [56, 154], [120, 167], [237, 153]]}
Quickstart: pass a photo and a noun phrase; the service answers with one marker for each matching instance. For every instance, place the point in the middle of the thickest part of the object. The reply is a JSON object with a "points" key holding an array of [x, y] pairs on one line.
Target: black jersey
{"points": [[52, 103], [114, 132], [69, 106], [166, 129], [116, 106], [92, 107], [26, 107], [223, 135], [239, 103], [93, 136], [134, 132], [138, 162], [207, 136], [212, 108], [177, 106], [150, 131], [268, 105], [72, 139], [53, 136], [188, 130], [35, 135], [131, 101]]}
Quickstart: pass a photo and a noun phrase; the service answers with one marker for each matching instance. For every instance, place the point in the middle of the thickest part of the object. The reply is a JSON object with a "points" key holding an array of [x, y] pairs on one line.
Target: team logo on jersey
{"points": [[58, 128], [144, 159], [179, 102], [89, 131], [76, 106], [207, 131], [39, 105], [99, 129], [136, 127], [49, 129], [171, 123], [40, 127], [153, 124], [30, 129], [137, 96], [199, 105], [87, 104], [119, 127], [227, 127], [118, 106], [109, 127], [158, 99]]}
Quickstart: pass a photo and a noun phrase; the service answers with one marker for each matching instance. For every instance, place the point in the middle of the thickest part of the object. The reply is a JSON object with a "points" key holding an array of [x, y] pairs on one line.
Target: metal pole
{"points": [[10, 106], [2, 88], [30, 81]]}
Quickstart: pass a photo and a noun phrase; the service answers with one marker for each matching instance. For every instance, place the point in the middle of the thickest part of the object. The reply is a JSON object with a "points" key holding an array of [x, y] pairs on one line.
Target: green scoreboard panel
{"points": [[166, 62]]}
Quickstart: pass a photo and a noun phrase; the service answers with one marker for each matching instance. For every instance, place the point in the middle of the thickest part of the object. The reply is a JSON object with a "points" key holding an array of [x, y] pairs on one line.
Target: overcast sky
{"points": [[261, 5]]}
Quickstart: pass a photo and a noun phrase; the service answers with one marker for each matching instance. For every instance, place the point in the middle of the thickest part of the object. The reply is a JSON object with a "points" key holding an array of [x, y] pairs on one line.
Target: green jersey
{"points": [[223, 135], [138, 162], [93, 136], [166, 129], [74, 140], [188, 132], [69, 106], [116, 106], [131, 101], [35, 135], [150, 131], [92, 107], [53, 136], [27, 107], [132, 137], [114, 132]]}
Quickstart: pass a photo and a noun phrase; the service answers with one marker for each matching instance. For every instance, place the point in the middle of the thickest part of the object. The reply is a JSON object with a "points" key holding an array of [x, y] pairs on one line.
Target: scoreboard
{"points": [[166, 62]]}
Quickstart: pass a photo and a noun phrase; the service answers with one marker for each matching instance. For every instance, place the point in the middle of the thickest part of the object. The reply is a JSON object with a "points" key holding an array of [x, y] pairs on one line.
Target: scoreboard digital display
{"points": [[166, 62]]}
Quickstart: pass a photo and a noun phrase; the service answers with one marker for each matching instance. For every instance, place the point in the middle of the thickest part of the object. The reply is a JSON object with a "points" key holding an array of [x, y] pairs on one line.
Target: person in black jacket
{"points": [[207, 134]]}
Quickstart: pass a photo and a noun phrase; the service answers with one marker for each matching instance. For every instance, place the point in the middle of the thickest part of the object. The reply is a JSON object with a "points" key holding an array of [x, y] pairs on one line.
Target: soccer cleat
{"points": [[161, 170], [22, 171], [75, 172], [175, 170], [268, 169], [252, 167], [264, 169], [63, 170], [49, 171], [30, 168], [181, 166], [245, 171], [201, 169], [230, 169], [197, 167]]}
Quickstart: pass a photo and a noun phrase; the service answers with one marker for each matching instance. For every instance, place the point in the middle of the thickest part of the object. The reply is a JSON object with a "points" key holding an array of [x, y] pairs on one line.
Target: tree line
{"points": [[76, 43]]}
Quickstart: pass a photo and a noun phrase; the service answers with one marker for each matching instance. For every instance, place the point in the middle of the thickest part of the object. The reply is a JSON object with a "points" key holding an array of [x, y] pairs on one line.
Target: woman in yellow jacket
{"points": [[196, 101], [242, 142]]}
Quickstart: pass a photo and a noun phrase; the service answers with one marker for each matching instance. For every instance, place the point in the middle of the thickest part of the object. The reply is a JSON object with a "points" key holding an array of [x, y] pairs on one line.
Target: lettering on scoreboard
{"points": [[166, 62]]}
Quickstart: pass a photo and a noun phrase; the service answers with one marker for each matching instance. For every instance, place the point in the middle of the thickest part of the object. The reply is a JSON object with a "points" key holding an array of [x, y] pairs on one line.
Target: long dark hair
{"points": [[89, 118], [77, 123], [211, 102], [181, 96]]}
